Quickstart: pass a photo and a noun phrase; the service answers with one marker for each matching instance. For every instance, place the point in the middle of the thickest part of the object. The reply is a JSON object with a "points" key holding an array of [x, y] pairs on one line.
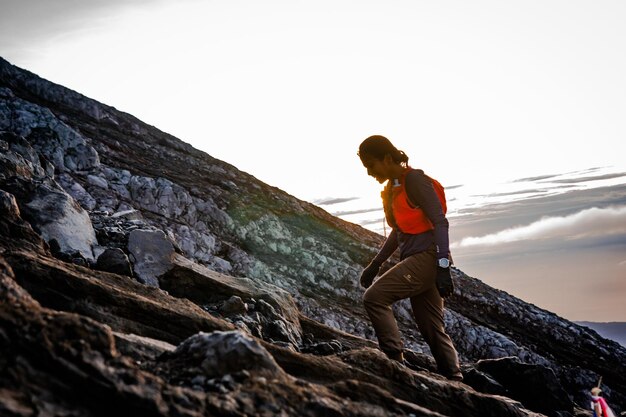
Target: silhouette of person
{"points": [[415, 210]]}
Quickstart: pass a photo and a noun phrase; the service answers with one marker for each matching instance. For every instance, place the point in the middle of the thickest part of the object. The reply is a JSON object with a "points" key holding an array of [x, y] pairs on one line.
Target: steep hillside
{"points": [[120, 243]]}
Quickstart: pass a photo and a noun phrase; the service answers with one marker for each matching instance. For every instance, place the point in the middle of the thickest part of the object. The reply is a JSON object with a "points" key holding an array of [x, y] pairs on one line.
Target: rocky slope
{"points": [[145, 275]]}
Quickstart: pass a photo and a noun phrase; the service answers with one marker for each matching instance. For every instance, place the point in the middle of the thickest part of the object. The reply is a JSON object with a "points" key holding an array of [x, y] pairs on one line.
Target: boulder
{"points": [[225, 352], [535, 386], [54, 214], [57, 216], [8, 206], [114, 260], [97, 181], [151, 255], [234, 305], [482, 382], [190, 280], [19, 158]]}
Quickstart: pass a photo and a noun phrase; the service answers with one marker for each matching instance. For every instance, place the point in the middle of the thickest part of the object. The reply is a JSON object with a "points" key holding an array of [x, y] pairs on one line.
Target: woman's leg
{"points": [[410, 277], [428, 314]]}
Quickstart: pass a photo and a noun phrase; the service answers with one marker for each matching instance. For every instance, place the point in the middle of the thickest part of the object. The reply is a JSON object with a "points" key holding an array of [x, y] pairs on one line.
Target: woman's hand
{"points": [[369, 273], [444, 282]]}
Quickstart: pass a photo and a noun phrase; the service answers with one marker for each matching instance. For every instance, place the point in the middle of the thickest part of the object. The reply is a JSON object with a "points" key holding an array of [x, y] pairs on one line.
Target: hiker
{"points": [[598, 404], [416, 214]]}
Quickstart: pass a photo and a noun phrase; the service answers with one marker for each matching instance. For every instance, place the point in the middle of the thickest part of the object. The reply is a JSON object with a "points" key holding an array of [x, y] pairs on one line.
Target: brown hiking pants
{"points": [[414, 278]]}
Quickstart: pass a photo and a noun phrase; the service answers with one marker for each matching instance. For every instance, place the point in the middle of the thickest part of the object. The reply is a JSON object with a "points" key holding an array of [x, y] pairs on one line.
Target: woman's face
{"points": [[377, 168]]}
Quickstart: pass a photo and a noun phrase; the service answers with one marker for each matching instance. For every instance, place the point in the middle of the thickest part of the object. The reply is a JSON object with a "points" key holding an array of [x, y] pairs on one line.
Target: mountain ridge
{"points": [[613, 330], [128, 176]]}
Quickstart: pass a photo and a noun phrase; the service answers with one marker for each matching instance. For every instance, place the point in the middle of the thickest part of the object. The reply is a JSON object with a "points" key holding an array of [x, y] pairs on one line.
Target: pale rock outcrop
{"points": [[57, 216], [50, 210]]}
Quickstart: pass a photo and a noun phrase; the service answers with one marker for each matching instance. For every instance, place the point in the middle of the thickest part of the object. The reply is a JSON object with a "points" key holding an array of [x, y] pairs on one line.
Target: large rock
{"points": [[151, 255], [114, 260], [221, 353], [52, 212], [15, 233], [57, 216], [8, 206], [187, 279], [54, 215], [18, 158], [535, 386]]}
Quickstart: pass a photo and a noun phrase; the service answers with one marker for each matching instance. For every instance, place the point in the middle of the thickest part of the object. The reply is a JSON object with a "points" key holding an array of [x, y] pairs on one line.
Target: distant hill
{"points": [[614, 330]]}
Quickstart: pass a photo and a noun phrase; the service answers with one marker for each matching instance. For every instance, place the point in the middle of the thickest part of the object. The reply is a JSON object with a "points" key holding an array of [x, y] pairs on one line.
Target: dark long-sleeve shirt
{"points": [[421, 193]]}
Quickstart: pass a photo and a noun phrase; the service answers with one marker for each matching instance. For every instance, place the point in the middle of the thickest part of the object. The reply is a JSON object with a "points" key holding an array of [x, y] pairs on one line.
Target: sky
{"points": [[516, 107]]}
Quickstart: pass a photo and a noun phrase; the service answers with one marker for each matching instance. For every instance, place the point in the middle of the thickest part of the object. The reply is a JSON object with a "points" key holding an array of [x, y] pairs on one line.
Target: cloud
{"points": [[530, 191], [577, 177], [346, 213], [531, 179], [588, 178], [372, 221], [586, 223], [329, 201]]}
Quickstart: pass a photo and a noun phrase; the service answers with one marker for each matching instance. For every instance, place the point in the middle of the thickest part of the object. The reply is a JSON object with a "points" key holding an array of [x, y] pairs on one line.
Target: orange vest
{"points": [[404, 215]]}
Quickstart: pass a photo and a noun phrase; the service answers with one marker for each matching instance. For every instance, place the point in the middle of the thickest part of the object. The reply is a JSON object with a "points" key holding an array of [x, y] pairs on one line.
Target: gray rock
{"points": [[278, 330], [114, 260], [323, 348], [234, 305], [56, 215], [220, 353], [81, 158], [19, 158], [6, 92], [77, 191], [266, 309], [151, 255], [63, 146], [8, 206], [97, 181]]}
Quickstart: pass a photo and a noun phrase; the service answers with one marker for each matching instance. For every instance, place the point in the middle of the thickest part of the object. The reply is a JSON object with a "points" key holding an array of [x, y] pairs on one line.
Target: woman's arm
{"points": [[388, 248]]}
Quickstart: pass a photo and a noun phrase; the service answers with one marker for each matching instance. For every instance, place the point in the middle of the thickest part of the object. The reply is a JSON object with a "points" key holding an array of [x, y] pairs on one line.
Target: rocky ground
{"points": [[140, 275]]}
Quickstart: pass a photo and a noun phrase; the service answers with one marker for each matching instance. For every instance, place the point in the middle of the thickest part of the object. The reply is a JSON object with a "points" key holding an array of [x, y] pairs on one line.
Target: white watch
{"points": [[444, 263]]}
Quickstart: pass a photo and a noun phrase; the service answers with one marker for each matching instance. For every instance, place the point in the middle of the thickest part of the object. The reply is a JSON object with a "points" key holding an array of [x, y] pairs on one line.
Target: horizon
{"points": [[302, 99]]}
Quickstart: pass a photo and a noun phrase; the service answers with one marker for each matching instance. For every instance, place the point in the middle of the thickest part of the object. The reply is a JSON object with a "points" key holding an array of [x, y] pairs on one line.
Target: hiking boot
{"points": [[458, 377], [398, 357]]}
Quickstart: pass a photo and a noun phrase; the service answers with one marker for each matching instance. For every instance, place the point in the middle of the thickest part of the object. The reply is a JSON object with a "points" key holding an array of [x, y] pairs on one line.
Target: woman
{"points": [[414, 208]]}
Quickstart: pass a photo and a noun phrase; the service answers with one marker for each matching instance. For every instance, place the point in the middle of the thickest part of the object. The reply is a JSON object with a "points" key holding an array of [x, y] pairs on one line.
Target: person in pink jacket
{"points": [[598, 404]]}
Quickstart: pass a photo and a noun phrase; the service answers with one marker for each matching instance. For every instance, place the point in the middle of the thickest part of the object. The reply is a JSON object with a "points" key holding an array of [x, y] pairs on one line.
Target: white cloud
{"points": [[586, 223]]}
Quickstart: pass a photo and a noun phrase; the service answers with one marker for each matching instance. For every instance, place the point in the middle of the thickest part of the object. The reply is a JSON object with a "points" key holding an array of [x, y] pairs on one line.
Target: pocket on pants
{"points": [[420, 270]]}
